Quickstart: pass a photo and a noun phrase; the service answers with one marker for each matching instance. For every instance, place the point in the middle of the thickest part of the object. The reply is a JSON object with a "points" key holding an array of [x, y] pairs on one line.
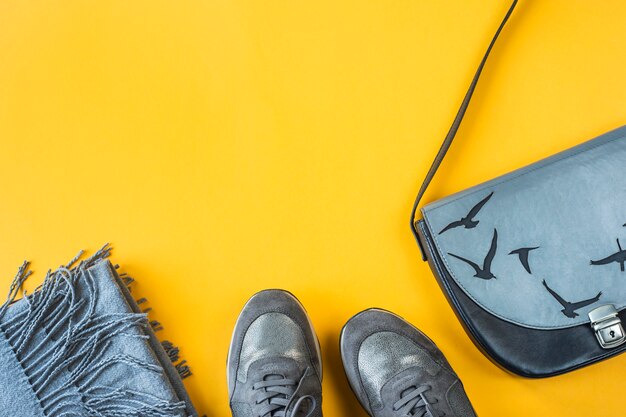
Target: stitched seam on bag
{"points": [[472, 330], [481, 188], [437, 260], [505, 178], [445, 283], [482, 305]]}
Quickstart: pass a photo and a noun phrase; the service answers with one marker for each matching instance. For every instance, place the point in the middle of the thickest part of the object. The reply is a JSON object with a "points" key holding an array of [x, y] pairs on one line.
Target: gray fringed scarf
{"points": [[79, 345]]}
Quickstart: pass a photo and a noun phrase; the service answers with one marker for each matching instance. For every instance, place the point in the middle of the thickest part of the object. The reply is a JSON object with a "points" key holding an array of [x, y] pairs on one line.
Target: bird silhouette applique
{"points": [[619, 257], [468, 221], [523, 256], [569, 309], [483, 272]]}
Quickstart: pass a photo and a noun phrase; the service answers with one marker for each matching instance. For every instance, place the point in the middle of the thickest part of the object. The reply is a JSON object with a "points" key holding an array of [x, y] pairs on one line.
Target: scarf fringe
{"points": [[173, 351], [76, 340]]}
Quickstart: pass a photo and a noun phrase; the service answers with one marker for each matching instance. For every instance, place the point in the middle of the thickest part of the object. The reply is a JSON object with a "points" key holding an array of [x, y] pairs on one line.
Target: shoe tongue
{"points": [[406, 381], [273, 377], [275, 368], [407, 391]]}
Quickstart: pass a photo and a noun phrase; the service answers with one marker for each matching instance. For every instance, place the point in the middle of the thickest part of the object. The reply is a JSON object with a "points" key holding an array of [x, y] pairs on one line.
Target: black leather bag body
{"points": [[533, 262]]}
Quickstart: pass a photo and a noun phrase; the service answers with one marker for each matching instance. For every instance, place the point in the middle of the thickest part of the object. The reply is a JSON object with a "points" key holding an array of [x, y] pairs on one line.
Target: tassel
{"points": [[173, 352], [183, 369], [156, 326]]}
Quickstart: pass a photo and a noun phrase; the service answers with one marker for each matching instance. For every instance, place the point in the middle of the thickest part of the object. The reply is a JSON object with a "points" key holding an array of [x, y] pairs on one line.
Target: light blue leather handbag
{"points": [[533, 262]]}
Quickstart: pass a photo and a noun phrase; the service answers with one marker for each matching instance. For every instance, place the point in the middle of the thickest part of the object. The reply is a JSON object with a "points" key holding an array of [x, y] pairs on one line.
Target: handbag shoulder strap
{"points": [[455, 124]]}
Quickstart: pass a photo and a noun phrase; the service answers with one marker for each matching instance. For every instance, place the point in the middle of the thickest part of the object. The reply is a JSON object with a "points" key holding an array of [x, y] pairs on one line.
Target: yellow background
{"points": [[228, 146]]}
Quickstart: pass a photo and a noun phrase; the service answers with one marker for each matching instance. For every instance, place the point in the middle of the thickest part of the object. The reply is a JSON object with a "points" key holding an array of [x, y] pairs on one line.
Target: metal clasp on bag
{"points": [[607, 326]]}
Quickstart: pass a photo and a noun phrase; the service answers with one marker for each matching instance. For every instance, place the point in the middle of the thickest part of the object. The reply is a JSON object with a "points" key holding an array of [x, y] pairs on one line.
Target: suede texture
{"points": [[273, 336], [417, 362]]}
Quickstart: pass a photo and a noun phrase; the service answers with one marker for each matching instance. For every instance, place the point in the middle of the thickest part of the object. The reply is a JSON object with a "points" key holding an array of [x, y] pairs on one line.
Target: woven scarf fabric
{"points": [[80, 346]]}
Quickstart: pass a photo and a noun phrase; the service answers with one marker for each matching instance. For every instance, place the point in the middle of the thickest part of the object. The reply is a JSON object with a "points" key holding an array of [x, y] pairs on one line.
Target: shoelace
{"points": [[413, 403], [279, 394]]}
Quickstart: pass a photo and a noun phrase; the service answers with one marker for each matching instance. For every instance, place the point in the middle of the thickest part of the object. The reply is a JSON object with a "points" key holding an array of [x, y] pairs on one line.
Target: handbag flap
{"points": [[544, 245]]}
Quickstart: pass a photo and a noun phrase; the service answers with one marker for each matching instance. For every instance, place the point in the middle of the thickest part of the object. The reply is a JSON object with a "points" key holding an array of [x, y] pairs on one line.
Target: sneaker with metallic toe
{"points": [[274, 362], [397, 371]]}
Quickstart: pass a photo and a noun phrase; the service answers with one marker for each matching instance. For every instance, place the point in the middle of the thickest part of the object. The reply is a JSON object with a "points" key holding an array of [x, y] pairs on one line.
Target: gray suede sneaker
{"points": [[274, 362], [396, 371]]}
